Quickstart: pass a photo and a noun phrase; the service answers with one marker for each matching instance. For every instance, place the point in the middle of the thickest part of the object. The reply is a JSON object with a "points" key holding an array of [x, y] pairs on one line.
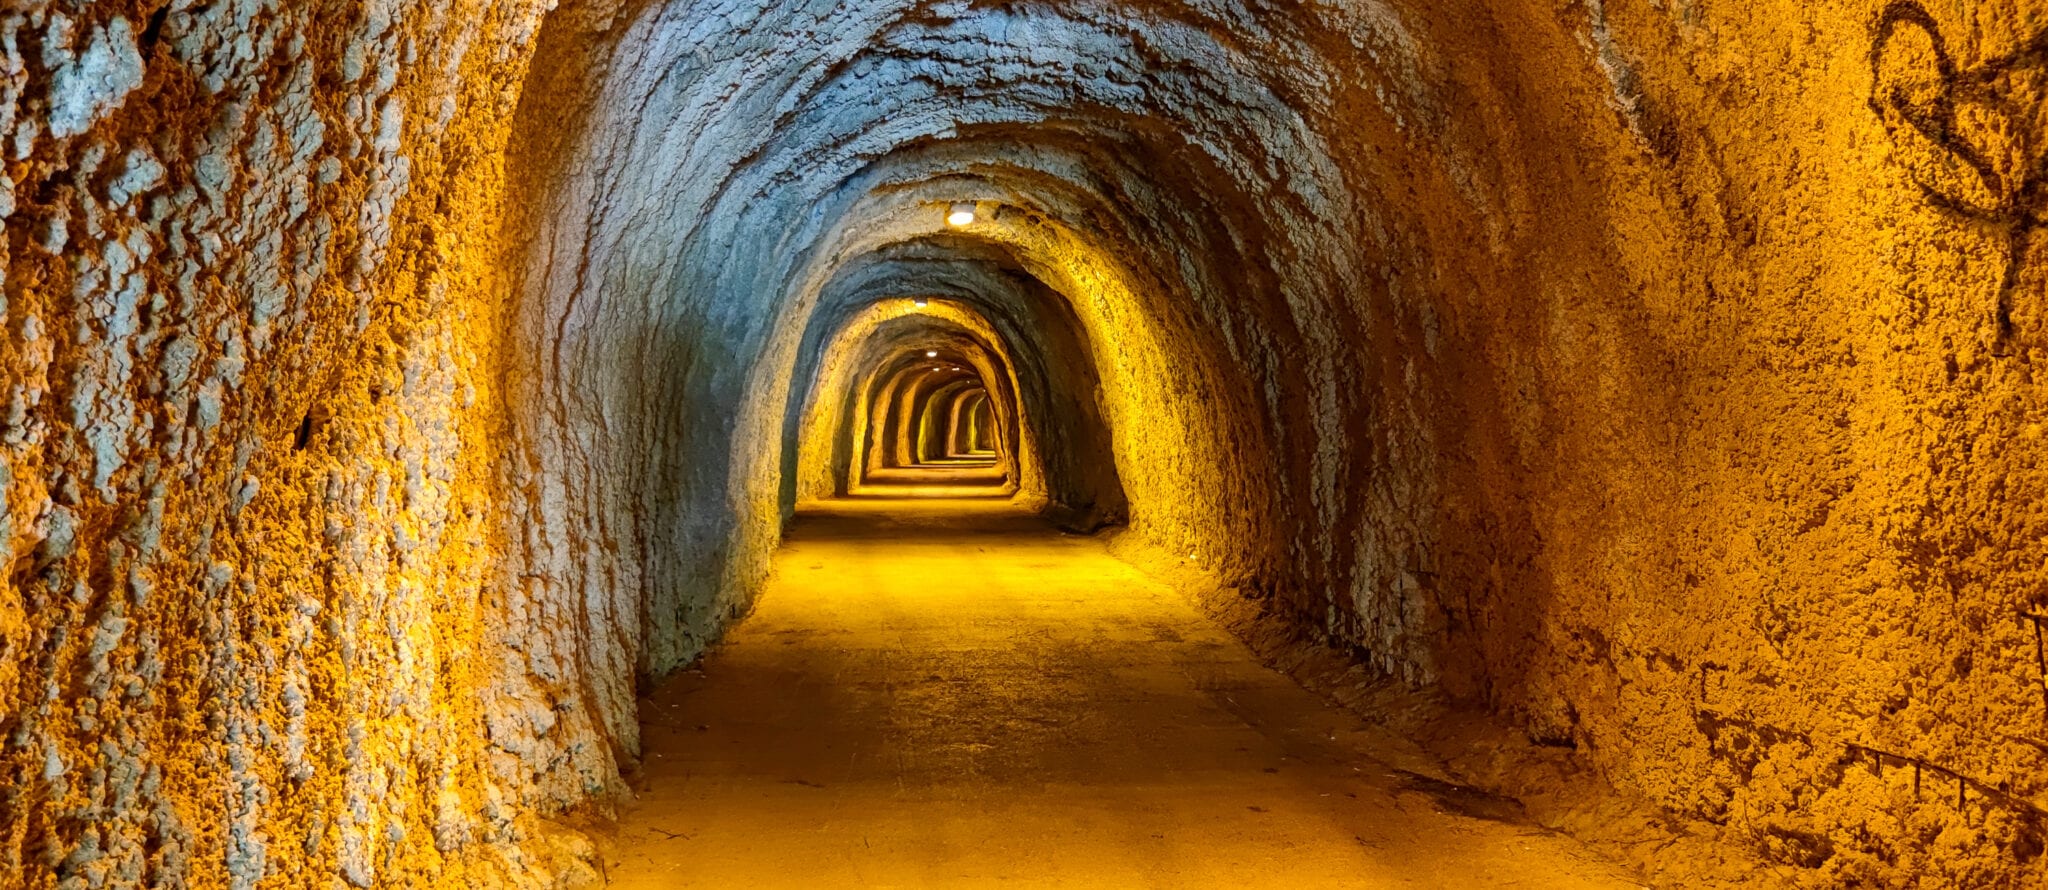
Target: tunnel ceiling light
{"points": [[961, 213], [920, 302], [931, 353]]}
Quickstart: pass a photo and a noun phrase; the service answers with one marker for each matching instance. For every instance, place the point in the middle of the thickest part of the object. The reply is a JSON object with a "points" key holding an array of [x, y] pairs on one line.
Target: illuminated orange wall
{"points": [[390, 390]]}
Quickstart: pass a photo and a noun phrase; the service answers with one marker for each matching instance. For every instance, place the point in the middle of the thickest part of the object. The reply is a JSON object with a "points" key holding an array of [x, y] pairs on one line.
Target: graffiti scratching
{"points": [[1975, 140]]}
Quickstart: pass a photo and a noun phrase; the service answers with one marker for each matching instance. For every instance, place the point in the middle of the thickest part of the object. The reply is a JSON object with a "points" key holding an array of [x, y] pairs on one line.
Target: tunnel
{"points": [[950, 443]]}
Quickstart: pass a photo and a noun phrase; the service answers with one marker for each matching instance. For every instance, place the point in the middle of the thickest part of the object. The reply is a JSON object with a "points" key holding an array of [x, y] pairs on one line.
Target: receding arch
{"points": [[1058, 429]]}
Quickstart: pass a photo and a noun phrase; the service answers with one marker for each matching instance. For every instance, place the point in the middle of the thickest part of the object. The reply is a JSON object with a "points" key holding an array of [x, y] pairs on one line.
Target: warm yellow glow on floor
{"points": [[942, 478], [946, 693]]}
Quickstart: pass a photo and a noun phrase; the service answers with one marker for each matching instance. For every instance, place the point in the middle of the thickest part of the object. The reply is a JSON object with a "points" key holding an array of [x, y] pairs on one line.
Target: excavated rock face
{"points": [[257, 624], [390, 387]]}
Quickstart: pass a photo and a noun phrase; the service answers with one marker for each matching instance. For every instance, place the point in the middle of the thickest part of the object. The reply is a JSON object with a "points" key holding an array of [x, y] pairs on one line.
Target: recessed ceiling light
{"points": [[962, 213]]}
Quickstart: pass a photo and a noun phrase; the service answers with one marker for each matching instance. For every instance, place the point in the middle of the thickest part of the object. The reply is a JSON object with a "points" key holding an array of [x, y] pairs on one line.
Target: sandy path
{"points": [[951, 694]]}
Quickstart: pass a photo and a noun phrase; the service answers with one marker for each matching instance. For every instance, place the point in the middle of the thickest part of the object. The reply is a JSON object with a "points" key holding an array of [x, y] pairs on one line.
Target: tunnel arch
{"points": [[832, 412], [897, 395], [1227, 358], [681, 252], [971, 425], [1063, 180], [1016, 317], [929, 411], [416, 382]]}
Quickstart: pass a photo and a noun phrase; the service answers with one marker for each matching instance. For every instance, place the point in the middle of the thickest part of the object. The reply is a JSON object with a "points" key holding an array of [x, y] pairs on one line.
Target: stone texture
{"points": [[390, 388], [251, 478]]}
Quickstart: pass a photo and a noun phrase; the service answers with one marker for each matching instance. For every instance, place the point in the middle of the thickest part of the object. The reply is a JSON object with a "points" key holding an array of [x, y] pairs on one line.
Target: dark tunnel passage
{"points": [[875, 376], [907, 426], [1191, 443]]}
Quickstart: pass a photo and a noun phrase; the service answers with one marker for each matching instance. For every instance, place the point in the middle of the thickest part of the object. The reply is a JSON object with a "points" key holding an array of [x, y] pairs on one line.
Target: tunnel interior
{"points": [[398, 397], [982, 364]]}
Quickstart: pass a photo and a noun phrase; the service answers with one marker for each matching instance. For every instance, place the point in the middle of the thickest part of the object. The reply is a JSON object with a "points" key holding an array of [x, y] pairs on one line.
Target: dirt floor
{"points": [[949, 693]]}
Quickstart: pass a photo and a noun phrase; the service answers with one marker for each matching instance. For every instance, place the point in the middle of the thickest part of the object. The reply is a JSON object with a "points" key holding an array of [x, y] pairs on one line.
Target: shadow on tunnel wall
{"points": [[1651, 488]]}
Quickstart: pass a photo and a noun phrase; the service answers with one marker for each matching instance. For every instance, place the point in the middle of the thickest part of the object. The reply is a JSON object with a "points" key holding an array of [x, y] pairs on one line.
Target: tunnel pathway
{"points": [[948, 693]]}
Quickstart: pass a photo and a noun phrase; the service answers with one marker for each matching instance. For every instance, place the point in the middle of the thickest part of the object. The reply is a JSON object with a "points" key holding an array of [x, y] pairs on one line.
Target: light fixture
{"points": [[931, 353], [961, 214], [920, 302]]}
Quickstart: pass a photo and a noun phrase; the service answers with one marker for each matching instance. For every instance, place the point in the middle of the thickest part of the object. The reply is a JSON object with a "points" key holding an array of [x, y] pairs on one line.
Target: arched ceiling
{"points": [[363, 355], [1156, 174]]}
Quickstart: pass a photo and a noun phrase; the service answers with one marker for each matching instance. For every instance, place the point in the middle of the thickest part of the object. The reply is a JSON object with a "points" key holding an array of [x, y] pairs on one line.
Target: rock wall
{"points": [[251, 454], [391, 388], [1714, 440], [1657, 374]]}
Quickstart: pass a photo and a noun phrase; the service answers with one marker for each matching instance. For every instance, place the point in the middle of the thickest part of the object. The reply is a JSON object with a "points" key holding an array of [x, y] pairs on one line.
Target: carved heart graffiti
{"points": [[1974, 140]]}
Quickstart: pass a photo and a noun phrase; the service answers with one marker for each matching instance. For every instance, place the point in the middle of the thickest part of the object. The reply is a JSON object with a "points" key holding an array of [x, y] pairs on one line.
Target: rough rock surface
{"points": [[390, 387], [255, 539]]}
